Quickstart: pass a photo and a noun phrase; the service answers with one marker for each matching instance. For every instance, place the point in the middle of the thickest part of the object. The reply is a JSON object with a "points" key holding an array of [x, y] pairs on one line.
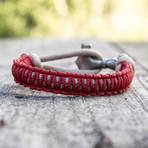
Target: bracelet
{"points": [[29, 71]]}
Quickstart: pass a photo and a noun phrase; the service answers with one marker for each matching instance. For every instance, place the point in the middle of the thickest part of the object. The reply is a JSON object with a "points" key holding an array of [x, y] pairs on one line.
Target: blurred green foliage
{"points": [[107, 19]]}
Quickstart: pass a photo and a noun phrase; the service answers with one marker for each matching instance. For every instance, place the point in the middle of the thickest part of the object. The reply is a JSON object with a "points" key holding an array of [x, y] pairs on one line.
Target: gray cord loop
{"points": [[81, 53], [84, 54], [89, 61]]}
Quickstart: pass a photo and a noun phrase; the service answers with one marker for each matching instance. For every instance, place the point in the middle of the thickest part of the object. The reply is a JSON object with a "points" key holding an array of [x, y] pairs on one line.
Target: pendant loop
{"points": [[84, 58]]}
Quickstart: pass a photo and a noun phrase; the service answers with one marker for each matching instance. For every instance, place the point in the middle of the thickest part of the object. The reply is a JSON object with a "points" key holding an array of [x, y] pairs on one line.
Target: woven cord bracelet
{"points": [[30, 72]]}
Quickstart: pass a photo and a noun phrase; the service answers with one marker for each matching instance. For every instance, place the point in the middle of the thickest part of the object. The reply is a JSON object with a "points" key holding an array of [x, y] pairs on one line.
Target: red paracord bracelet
{"points": [[26, 72]]}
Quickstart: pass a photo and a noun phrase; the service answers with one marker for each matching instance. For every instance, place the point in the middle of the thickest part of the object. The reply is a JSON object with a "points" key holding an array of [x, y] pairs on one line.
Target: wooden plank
{"points": [[29, 118]]}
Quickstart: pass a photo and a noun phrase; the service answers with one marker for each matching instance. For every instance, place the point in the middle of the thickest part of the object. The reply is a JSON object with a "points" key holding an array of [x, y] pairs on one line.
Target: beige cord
{"points": [[85, 52], [82, 52]]}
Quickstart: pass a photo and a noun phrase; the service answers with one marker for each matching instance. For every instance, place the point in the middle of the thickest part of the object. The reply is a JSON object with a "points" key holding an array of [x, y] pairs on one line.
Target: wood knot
{"points": [[2, 123]]}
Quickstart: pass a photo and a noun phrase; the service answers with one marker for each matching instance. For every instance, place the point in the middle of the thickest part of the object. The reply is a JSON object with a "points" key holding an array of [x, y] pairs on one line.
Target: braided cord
{"points": [[67, 83]]}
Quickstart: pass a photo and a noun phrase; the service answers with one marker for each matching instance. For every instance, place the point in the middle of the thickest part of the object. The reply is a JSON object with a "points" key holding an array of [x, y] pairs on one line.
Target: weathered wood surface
{"points": [[33, 119]]}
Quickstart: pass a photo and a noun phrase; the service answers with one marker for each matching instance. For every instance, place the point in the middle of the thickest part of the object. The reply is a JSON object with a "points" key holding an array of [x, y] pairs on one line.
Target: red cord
{"points": [[67, 83]]}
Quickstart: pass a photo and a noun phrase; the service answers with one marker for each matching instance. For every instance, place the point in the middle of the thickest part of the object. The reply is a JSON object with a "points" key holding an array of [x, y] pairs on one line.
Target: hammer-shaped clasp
{"points": [[89, 62], [93, 63]]}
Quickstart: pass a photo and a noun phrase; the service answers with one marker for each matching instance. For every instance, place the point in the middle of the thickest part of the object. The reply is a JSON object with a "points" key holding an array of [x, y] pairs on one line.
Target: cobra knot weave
{"points": [[26, 74]]}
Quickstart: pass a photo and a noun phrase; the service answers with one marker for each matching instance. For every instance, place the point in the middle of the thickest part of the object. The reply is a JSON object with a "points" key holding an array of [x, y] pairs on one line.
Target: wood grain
{"points": [[34, 119]]}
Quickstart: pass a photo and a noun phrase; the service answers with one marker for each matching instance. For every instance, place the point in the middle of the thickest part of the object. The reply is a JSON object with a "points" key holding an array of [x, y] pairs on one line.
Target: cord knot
{"points": [[36, 60], [124, 57]]}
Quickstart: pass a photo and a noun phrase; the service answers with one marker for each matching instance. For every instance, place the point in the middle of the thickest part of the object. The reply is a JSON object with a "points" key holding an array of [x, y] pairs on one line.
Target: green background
{"points": [[113, 20]]}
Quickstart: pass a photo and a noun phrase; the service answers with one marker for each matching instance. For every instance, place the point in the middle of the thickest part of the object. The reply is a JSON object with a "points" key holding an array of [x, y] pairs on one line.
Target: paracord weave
{"points": [[68, 83]]}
